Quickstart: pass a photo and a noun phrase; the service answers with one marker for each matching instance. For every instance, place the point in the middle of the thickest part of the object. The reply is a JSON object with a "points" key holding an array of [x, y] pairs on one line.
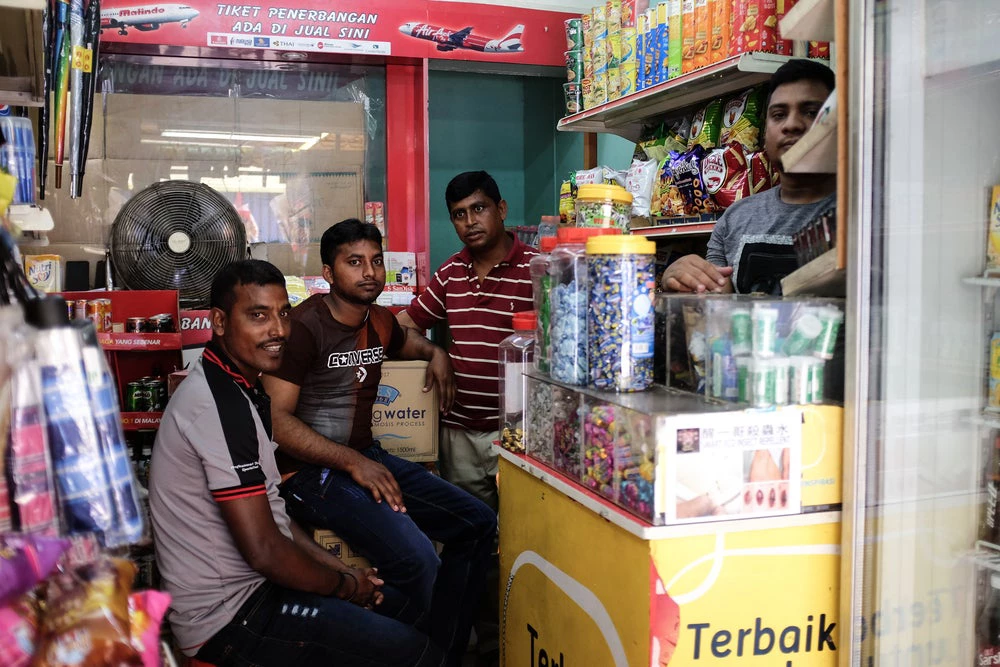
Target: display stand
{"points": [[582, 589]]}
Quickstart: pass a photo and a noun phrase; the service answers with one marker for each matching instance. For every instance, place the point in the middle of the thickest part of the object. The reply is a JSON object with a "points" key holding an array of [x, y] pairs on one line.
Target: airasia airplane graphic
{"points": [[449, 40], [146, 17]]}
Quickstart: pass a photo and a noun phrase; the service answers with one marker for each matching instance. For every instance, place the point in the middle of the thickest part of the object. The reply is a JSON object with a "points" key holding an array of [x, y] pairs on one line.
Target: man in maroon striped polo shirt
{"points": [[477, 290]]}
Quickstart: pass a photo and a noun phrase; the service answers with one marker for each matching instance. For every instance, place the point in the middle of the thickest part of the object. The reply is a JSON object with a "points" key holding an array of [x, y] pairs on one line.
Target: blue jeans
{"points": [[278, 626], [399, 545]]}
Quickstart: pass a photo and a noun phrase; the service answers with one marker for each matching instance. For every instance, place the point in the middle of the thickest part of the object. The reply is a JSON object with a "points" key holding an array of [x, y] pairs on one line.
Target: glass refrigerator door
{"points": [[925, 95]]}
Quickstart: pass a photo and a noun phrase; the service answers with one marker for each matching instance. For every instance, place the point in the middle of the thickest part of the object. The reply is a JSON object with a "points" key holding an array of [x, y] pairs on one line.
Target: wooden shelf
{"points": [[809, 20], [627, 116], [820, 277], [23, 4], [683, 229], [18, 90], [816, 151]]}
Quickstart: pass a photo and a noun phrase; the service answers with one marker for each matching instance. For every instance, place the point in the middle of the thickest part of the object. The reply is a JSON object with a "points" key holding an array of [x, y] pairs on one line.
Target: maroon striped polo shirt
{"points": [[479, 318]]}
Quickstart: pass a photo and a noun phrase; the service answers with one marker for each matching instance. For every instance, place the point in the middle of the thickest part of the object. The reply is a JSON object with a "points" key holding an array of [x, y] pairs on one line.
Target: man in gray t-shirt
{"points": [[751, 246]]}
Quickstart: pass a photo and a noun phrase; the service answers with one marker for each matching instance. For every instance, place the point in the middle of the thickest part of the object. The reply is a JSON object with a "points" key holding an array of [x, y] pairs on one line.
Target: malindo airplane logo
{"points": [[146, 17], [449, 40]]}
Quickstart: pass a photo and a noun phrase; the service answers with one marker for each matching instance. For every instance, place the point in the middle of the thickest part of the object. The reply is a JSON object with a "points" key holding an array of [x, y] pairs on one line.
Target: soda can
{"points": [[764, 337], [156, 390], [162, 323], [826, 342], [135, 325], [94, 315], [739, 330], [105, 309], [79, 309], [69, 310], [136, 397], [574, 34]]}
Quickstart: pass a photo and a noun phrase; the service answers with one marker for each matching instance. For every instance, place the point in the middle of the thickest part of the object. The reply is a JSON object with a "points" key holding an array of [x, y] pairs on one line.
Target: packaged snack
{"points": [[819, 50], [993, 234], [755, 25], [86, 619], [742, 119], [614, 176], [702, 33], [722, 15], [762, 175], [650, 52], [44, 272], [706, 126], [667, 201], [686, 171], [687, 36], [675, 45], [613, 11], [640, 182], [589, 176], [25, 560], [662, 43], [783, 47], [145, 614], [18, 631], [567, 208], [724, 173]]}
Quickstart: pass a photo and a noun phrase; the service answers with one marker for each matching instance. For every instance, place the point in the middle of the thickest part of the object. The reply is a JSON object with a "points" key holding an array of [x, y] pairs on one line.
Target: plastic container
{"points": [[516, 352], [620, 323], [539, 427], [538, 268], [568, 299], [599, 205]]}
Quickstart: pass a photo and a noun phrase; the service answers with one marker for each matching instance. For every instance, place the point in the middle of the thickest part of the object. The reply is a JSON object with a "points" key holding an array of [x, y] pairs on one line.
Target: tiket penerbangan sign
{"points": [[428, 29]]}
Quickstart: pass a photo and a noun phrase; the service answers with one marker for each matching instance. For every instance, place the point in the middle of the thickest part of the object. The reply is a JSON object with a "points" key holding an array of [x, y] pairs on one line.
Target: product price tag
{"points": [[83, 59]]}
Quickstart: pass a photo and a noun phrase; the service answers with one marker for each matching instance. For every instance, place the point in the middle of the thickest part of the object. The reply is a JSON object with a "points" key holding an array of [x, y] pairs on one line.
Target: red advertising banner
{"points": [[428, 29]]}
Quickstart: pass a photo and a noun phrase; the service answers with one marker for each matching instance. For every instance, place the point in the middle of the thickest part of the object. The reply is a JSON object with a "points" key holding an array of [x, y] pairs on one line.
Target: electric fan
{"points": [[176, 235]]}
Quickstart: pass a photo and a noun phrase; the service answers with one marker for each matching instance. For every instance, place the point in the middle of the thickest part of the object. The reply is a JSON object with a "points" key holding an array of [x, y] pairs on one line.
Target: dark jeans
{"points": [[399, 545], [281, 627]]}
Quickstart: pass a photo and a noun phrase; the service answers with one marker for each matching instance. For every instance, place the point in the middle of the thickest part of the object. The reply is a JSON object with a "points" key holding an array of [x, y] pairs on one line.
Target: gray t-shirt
{"points": [[214, 445], [754, 236]]}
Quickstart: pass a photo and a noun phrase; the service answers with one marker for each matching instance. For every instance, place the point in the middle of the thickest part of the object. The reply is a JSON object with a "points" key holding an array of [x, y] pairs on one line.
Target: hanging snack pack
{"points": [[686, 170], [706, 126], [145, 612], [724, 173], [667, 200], [24, 561], [640, 182], [762, 175], [742, 118], [18, 631]]}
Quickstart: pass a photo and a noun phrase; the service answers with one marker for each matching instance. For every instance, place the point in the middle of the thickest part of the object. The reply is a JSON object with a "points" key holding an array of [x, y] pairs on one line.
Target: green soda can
{"points": [[826, 342], [135, 397], [739, 331]]}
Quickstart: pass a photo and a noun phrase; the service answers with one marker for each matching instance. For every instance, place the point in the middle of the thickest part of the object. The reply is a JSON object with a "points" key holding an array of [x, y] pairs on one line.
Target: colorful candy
{"points": [[567, 456]]}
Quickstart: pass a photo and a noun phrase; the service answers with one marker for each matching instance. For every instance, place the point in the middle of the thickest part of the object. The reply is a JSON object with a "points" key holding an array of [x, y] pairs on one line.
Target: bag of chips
{"points": [[742, 119], [672, 136], [686, 170], [86, 618], [763, 176], [589, 176], [724, 172], [25, 560], [640, 182], [18, 631], [706, 125], [667, 200], [145, 613], [567, 205]]}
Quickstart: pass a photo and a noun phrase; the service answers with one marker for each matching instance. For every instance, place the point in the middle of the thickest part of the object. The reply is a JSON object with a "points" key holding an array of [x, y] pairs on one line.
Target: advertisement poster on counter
{"points": [[427, 29]]}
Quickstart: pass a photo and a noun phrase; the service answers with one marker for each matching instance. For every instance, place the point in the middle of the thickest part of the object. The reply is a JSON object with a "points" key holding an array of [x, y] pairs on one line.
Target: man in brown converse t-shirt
{"points": [[386, 508]]}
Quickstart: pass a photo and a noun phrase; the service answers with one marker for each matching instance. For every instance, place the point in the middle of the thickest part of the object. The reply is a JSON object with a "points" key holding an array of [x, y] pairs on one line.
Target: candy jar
{"points": [[568, 299], [516, 352], [538, 268], [538, 426], [620, 321], [600, 205]]}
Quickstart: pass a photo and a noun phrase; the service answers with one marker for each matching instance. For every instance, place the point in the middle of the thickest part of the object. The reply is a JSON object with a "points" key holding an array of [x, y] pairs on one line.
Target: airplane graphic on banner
{"points": [[146, 17], [449, 40]]}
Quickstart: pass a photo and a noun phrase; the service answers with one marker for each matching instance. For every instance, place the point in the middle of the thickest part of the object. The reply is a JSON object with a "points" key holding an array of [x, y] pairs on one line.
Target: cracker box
{"points": [[404, 417], [336, 545], [993, 234]]}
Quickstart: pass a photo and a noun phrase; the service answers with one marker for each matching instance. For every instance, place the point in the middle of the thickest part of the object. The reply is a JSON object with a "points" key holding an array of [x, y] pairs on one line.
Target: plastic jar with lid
{"points": [[568, 299], [538, 268], [516, 352], [620, 322], [599, 205]]}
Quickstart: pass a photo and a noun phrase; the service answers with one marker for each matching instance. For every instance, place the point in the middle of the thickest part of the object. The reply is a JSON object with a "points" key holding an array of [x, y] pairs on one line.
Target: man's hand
{"points": [[692, 273], [377, 479], [365, 592], [439, 372]]}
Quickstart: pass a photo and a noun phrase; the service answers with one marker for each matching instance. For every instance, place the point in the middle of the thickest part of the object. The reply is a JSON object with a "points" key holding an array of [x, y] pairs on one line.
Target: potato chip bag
{"points": [[686, 171], [86, 618], [641, 182], [762, 174], [742, 119], [145, 612], [667, 200], [706, 126], [724, 173]]}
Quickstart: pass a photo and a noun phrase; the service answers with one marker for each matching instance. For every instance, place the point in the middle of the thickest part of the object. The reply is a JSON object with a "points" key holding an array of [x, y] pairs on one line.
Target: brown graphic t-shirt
{"points": [[338, 369]]}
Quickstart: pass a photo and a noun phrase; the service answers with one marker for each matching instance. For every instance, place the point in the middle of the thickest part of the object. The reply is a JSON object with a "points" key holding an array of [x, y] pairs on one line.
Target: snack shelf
{"points": [[810, 20], [820, 277], [627, 116], [135, 421], [681, 229], [139, 341]]}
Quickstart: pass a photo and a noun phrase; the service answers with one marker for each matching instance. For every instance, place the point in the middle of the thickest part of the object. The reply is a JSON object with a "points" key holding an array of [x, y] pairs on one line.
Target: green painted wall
{"points": [[507, 126]]}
